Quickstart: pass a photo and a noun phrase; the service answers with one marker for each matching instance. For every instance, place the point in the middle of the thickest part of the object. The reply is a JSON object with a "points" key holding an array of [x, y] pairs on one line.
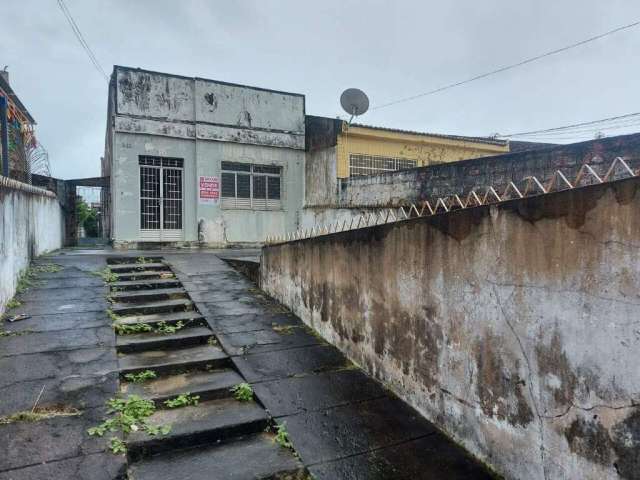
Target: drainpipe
{"points": [[4, 133]]}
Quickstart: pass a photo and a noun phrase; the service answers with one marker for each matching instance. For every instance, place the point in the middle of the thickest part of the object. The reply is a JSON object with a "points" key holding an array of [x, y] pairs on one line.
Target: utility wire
{"points": [[508, 67], [597, 124], [80, 37]]}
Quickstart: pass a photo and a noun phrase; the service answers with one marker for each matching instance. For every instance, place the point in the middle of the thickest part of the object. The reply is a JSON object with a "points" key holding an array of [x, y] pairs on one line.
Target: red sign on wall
{"points": [[209, 190]]}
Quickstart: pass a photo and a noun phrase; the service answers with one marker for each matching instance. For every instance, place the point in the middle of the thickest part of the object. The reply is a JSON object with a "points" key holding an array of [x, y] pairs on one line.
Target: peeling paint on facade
{"points": [[201, 123]]}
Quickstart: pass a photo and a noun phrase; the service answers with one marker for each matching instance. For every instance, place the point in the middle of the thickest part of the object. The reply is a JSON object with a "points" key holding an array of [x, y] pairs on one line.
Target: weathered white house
{"points": [[195, 160]]}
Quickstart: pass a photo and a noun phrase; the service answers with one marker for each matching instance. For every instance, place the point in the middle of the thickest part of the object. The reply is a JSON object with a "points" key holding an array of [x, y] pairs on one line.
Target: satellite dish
{"points": [[354, 101]]}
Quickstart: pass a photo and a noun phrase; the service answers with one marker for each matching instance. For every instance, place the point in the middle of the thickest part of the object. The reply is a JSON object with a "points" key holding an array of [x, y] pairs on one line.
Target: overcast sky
{"points": [[389, 49]]}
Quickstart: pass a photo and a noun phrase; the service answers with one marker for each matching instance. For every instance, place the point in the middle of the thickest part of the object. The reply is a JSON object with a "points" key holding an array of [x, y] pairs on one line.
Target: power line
{"points": [[567, 128], [508, 67], [80, 37]]}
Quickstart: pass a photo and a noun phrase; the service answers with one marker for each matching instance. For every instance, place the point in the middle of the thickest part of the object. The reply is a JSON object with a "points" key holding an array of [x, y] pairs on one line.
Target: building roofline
{"points": [[4, 85], [232, 84], [486, 140]]}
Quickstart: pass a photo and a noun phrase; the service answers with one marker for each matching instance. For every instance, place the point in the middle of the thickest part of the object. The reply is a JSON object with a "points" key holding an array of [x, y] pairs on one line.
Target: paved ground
{"points": [[343, 425]]}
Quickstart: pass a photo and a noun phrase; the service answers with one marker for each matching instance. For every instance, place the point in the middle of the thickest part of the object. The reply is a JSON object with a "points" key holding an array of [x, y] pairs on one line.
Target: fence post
{"points": [[4, 133]]}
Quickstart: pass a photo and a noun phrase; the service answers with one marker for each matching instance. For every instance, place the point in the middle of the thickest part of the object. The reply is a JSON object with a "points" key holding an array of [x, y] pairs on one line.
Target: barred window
{"points": [[360, 165], [249, 186]]}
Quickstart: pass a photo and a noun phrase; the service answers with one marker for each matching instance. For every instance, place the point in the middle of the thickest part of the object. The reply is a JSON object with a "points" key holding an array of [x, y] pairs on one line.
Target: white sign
{"points": [[209, 190]]}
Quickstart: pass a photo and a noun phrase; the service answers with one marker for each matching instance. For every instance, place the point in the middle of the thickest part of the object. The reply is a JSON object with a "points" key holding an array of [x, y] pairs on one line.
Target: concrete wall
{"points": [[31, 223], [514, 328], [203, 122], [426, 183], [320, 179], [206, 224]]}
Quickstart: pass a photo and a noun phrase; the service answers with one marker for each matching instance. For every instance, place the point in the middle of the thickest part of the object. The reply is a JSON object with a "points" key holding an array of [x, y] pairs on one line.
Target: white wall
{"points": [[31, 223]]}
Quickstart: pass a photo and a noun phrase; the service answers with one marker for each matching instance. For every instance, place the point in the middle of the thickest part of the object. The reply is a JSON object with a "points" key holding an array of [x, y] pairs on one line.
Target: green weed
{"points": [[242, 392], [283, 329], [117, 446], [11, 333], [106, 274], [128, 415], [141, 377], [13, 303], [166, 329], [183, 400], [46, 268], [124, 329], [282, 437]]}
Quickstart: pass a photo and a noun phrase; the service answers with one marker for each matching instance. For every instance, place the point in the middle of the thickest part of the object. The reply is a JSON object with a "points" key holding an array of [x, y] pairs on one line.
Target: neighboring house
{"points": [[193, 160], [521, 146], [336, 150], [16, 128]]}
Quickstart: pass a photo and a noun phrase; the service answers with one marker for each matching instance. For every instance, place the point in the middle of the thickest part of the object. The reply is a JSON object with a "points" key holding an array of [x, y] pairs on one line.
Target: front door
{"points": [[161, 209]]}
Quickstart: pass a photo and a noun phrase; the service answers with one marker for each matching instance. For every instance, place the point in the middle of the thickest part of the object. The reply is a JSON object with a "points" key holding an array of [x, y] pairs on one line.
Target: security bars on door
{"points": [[249, 186], [161, 198]]}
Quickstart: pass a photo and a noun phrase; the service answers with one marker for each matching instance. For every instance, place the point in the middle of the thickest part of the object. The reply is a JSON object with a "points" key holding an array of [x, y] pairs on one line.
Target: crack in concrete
{"points": [[592, 407], [564, 290], [372, 450], [529, 378]]}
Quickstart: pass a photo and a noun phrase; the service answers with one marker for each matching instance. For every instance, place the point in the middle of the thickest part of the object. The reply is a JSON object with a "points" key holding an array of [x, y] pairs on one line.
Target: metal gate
{"points": [[161, 199]]}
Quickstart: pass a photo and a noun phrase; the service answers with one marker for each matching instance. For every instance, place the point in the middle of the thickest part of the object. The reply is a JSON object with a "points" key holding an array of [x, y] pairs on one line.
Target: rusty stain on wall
{"points": [[511, 326]]}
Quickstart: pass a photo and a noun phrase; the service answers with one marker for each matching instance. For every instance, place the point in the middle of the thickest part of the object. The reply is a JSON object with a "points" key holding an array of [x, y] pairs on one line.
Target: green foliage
{"points": [[143, 260], [13, 303], [117, 446], [128, 415], [183, 400], [282, 437], [141, 377], [107, 275], [45, 268], [283, 329], [166, 329], [87, 218], [124, 329], [242, 392], [11, 333], [112, 315]]}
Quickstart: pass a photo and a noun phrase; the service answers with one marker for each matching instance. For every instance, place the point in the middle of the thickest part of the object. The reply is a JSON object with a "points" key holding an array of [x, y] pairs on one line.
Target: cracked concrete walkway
{"points": [[343, 424], [65, 354]]}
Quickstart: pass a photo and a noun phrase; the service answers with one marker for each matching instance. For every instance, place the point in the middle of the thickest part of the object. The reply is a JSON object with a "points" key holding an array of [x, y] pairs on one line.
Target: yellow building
{"points": [[367, 150]]}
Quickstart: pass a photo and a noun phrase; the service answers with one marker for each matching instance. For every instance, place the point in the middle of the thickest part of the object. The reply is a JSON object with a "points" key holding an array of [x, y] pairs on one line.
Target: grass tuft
{"points": [[242, 392]]}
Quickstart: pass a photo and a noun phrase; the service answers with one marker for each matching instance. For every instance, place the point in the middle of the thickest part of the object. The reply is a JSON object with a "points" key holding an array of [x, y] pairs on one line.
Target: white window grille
{"points": [[360, 164], [253, 187]]}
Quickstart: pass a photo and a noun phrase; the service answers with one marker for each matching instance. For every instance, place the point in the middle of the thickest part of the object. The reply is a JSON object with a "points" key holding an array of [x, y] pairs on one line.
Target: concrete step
{"points": [[173, 361], [130, 285], [252, 457], [206, 423], [154, 274], [137, 267], [146, 295], [180, 304], [208, 385], [156, 341], [191, 318]]}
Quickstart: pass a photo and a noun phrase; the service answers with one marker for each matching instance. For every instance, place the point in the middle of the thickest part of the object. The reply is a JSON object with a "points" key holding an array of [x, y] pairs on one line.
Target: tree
{"points": [[87, 217]]}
